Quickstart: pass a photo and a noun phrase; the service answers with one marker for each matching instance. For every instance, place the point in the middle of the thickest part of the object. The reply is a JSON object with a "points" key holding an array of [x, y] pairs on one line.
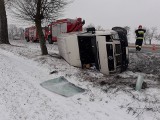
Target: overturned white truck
{"points": [[106, 50]]}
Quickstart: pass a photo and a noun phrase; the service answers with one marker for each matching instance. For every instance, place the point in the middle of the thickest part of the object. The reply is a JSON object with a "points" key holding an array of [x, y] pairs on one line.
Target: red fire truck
{"points": [[32, 35], [55, 29], [63, 26]]}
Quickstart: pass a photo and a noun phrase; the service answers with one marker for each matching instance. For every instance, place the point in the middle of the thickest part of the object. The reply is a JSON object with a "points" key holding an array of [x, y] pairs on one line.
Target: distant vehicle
{"points": [[54, 29], [32, 35]]}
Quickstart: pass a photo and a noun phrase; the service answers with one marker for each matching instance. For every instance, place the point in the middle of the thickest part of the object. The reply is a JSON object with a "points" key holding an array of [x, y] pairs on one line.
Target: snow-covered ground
{"points": [[106, 98]]}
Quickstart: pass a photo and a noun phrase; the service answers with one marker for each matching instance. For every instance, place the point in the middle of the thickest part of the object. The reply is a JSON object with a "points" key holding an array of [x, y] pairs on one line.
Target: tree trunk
{"points": [[145, 41], [150, 42], [41, 38], [38, 18], [3, 24]]}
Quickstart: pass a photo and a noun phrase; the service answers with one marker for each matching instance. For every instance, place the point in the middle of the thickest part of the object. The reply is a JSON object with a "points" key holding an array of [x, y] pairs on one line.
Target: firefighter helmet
{"points": [[140, 26]]}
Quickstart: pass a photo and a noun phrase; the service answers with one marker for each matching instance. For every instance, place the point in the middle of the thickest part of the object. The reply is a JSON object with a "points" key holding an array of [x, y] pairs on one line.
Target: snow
{"points": [[22, 98]]}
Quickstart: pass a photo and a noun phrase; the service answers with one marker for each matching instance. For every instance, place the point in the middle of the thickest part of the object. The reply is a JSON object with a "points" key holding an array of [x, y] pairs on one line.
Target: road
{"points": [[145, 49]]}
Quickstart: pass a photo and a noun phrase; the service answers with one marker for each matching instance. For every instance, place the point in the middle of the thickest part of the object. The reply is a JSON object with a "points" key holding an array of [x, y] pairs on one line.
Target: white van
{"points": [[102, 49]]}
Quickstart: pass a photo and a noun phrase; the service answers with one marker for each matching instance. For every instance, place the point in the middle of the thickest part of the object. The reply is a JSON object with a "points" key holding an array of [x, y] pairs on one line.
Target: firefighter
{"points": [[139, 37]]}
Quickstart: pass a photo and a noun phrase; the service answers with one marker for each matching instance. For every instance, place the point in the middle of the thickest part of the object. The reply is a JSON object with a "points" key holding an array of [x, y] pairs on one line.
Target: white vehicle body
{"points": [[102, 48]]}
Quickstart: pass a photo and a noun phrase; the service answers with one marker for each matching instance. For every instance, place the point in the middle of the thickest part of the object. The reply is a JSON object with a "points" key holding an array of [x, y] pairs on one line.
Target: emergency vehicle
{"points": [[63, 26], [54, 29], [32, 35]]}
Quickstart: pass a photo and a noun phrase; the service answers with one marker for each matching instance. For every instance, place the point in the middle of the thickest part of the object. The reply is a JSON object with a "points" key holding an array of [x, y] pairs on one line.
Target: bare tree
{"points": [[3, 24], [128, 30], [11, 30], [146, 36], [88, 26], [157, 37], [99, 27], [15, 32], [150, 34], [39, 11], [21, 33], [92, 25]]}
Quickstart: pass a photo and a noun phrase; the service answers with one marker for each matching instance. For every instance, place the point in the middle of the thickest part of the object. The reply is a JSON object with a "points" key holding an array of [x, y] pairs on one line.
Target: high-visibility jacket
{"points": [[140, 33]]}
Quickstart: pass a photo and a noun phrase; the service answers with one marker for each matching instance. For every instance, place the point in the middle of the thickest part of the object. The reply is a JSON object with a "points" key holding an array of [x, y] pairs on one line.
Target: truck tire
{"points": [[37, 41], [27, 39]]}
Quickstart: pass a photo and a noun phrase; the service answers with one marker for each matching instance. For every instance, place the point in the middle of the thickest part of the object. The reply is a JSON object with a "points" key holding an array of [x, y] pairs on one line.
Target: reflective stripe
{"points": [[140, 32], [139, 37]]}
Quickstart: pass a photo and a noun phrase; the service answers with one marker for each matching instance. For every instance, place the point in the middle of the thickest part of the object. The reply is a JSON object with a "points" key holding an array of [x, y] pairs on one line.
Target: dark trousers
{"points": [[139, 42]]}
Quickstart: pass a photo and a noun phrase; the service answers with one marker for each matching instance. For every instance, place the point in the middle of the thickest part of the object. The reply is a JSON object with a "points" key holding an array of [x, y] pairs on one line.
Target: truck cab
{"points": [[61, 26]]}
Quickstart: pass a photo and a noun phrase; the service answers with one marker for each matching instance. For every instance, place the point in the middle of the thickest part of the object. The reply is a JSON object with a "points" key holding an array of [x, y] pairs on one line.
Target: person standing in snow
{"points": [[139, 37]]}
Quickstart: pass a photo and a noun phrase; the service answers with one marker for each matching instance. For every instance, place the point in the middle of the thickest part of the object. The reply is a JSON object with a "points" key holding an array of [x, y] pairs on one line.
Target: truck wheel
{"points": [[27, 39], [37, 41], [50, 41], [32, 40]]}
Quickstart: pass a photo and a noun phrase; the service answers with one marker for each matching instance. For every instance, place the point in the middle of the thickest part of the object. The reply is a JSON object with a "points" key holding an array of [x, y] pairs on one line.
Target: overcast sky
{"points": [[109, 13]]}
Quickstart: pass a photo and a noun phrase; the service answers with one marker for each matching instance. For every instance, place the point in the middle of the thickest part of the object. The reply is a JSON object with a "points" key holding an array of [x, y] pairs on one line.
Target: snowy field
{"points": [[106, 97]]}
